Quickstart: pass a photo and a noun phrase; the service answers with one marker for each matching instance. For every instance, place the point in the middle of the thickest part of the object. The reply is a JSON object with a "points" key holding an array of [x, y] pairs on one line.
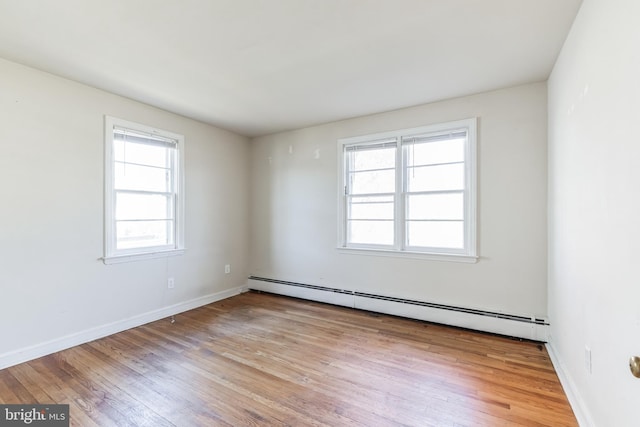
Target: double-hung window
{"points": [[411, 191], [144, 200]]}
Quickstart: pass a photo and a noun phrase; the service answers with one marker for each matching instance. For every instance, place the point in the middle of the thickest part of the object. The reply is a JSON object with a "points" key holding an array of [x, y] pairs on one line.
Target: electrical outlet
{"points": [[227, 269], [171, 283], [587, 359]]}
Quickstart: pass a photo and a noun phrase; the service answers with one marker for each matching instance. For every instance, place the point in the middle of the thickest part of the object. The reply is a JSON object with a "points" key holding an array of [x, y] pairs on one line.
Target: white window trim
{"points": [[429, 256], [110, 254], [470, 255]]}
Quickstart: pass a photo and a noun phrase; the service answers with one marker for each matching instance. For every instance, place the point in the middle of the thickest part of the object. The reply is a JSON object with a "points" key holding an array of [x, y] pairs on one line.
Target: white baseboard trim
{"points": [[58, 344], [479, 322], [580, 409]]}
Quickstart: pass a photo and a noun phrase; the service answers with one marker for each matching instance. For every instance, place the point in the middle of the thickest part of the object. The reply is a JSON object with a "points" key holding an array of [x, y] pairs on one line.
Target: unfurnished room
{"points": [[319, 213]]}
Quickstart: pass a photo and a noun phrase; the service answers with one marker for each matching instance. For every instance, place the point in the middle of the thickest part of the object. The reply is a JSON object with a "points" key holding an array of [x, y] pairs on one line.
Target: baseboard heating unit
{"points": [[530, 328]]}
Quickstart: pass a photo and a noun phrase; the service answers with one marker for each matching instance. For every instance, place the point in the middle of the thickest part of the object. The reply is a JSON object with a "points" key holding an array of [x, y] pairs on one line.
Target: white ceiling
{"points": [[261, 66]]}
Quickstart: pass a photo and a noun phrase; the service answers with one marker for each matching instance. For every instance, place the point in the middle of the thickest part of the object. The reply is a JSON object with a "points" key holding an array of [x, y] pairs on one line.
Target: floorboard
{"points": [[260, 359]]}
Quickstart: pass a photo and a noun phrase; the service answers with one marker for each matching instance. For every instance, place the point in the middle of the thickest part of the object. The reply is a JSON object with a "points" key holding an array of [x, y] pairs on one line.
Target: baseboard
{"points": [[68, 341], [510, 325], [580, 409], [335, 298]]}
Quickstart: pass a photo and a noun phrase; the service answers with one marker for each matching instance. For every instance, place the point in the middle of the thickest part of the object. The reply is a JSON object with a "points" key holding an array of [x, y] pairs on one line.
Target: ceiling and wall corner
{"points": [[258, 67]]}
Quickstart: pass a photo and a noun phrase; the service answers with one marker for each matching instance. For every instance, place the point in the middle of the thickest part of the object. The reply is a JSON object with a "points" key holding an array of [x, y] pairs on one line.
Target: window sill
{"points": [[469, 259], [141, 257]]}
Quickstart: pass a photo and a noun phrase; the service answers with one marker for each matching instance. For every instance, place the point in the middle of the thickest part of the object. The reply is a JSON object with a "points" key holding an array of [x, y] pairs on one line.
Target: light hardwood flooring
{"points": [[260, 359]]}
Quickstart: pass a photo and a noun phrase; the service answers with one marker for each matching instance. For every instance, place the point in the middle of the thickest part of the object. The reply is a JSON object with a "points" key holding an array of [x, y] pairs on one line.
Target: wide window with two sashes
{"points": [[410, 191]]}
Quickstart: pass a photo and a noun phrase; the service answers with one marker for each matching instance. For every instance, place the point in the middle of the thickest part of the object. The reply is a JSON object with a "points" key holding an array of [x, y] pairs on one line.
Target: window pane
{"points": [[144, 154], [431, 153], [377, 207], [435, 178], [143, 234], [373, 182], [373, 159], [145, 178], [435, 206], [143, 206], [370, 232], [436, 234]]}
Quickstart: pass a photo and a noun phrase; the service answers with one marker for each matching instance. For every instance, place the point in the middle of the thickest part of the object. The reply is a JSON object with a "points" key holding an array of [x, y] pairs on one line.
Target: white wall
{"points": [[52, 283], [594, 211], [294, 208]]}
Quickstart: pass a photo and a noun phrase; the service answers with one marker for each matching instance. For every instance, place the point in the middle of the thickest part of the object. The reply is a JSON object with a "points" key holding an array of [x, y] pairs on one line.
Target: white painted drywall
{"points": [[294, 208], [594, 210], [52, 283]]}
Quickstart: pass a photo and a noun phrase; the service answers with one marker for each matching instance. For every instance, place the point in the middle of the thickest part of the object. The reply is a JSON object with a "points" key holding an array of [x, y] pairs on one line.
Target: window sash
{"points": [[363, 227], [168, 239], [460, 185]]}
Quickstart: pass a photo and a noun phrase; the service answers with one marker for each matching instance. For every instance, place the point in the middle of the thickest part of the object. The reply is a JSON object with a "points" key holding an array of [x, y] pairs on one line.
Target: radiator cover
{"points": [[512, 325]]}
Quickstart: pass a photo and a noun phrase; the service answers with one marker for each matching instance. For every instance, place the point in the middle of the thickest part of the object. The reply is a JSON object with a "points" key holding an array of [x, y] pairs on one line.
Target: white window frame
{"points": [[399, 249], [111, 254]]}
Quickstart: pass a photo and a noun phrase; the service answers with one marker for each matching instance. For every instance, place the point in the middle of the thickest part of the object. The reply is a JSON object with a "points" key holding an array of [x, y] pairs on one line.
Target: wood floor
{"points": [[259, 359]]}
